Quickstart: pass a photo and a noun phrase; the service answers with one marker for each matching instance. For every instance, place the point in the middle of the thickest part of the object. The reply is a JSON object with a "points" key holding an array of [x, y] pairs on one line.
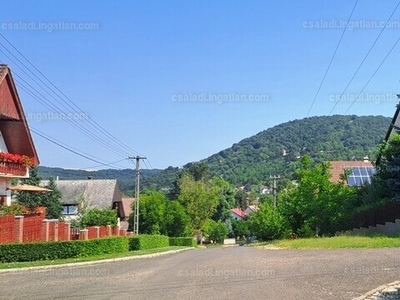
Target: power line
{"points": [[64, 98], [372, 76], [62, 145], [365, 57], [333, 56]]}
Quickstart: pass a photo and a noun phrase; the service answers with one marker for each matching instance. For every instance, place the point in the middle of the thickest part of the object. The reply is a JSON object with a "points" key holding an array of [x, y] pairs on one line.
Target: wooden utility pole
{"points": [[137, 192]]}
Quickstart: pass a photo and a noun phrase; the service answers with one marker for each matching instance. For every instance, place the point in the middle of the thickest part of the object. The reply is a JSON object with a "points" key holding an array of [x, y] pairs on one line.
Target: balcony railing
{"points": [[12, 168]]}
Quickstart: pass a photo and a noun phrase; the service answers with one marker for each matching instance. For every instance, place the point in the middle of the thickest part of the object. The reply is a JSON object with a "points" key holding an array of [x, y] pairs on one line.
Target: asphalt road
{"points": [[219, 273]]}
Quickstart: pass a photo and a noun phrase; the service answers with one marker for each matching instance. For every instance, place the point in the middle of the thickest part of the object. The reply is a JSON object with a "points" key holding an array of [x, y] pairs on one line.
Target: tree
{"points": [[388, 175], [226, 200], [316, 205], [199, 199], [177, 222], [241, 198], [241, 229], [152, 209], [215, 231], [52, 201], [31, 199], [267, 223]]}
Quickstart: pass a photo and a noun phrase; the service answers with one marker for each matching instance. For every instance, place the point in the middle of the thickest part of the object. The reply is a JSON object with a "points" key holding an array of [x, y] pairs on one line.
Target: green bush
{"points": [[182, 241], [144, 242], [62, 250]]}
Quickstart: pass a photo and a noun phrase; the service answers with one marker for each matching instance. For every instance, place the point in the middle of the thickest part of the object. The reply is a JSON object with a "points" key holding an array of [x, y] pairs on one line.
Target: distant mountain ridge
{"points": [[273, 151]]}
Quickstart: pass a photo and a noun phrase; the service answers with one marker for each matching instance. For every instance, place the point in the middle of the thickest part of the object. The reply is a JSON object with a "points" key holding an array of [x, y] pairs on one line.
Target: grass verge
{"points": [[337, 242], [86, 259]]}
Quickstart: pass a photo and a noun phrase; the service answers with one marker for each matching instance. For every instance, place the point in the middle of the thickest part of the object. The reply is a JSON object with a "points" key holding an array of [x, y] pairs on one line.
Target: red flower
{"points": [[17, 158]]}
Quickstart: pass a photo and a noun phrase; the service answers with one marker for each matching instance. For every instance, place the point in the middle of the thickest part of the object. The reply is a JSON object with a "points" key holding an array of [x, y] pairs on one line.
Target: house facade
{"points": [[88, 194], [17, 150]]}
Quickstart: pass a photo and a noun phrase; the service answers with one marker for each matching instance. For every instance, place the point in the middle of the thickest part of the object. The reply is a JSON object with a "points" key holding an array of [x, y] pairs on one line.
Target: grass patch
{"points": [[85, 259], [337, 242]]}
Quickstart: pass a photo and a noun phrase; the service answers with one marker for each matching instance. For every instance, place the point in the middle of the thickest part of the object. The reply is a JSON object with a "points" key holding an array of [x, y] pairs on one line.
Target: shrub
{"points": [[144, 242], [182, 241], [99, 217], [62, 250], [267, 223]]}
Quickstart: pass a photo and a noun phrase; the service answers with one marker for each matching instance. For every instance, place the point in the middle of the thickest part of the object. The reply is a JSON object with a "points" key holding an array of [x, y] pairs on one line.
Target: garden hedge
{"points": [[182, 241], [145, 242], [62, 250]]}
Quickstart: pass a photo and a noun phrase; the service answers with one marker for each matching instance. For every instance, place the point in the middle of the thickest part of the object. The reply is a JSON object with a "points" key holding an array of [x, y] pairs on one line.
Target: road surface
{"points": [[217, 273]]}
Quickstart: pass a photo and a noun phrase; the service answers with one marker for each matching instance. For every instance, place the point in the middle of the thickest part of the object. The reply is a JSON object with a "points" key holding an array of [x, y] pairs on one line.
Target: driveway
{"points": [[219, 273]]}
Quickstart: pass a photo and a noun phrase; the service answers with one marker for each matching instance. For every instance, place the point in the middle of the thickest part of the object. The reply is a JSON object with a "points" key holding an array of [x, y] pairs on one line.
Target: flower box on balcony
{"points": [[14, 164], [12, 168]]}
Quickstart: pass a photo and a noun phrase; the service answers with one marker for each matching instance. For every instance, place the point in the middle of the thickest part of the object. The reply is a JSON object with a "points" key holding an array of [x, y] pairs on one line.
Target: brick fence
{"points": [[35, 228]]}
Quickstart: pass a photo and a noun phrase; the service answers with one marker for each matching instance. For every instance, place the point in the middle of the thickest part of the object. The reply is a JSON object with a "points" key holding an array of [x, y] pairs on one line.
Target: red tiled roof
{"points": [[338, 167], [239, 212], [127, 206]]}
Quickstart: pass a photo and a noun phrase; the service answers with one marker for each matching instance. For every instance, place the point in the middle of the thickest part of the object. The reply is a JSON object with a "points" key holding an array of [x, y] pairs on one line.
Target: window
{"points": [[70, 209]]}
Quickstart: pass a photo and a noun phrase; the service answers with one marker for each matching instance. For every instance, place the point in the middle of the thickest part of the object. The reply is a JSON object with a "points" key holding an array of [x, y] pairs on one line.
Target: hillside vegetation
{"points": [[274, 151]]}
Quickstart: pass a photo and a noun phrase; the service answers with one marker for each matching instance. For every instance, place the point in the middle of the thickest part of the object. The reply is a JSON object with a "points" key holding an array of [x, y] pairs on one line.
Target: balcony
{"points": [[12, 169], [14, 165]]}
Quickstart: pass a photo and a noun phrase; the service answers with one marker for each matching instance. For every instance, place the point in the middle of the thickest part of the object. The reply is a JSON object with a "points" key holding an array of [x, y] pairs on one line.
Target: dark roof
{"points": [[97, 193]]}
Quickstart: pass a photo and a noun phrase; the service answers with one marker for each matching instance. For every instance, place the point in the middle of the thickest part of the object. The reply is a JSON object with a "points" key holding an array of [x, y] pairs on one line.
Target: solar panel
{"points": [[358, 176]]}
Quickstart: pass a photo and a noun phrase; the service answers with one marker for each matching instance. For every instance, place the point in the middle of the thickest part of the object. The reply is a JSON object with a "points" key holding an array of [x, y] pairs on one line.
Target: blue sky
{"points": [[161, 76]]}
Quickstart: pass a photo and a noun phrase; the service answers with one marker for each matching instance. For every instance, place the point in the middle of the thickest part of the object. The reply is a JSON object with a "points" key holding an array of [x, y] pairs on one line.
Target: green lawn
{"points": [[337, 242], [85, 259]]}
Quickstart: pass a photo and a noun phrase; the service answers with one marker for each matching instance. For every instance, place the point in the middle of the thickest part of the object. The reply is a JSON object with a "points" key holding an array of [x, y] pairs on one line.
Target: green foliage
{"points": [[15, 209], [267, 223], [317, 206], [62, 250], [52, 201], [324, 138], [99, 217], [226, 200], [177, 221], [158, 215], [145, 242], [241, 229], [30, 199], [200, 200], [388, 173], [152, 211], [182, 241], [215, 231]]}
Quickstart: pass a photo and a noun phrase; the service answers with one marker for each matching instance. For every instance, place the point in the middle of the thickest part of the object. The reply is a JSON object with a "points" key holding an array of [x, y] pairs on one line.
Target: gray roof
{"points": [[98, 193]]}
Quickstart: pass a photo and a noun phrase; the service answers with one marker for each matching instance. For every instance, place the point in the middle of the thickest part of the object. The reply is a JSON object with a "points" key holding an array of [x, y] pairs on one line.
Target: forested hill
{"points": [[125, 177], [271, 152]]}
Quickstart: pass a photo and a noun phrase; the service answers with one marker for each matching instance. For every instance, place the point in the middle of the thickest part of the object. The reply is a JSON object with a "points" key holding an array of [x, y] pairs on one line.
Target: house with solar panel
{"points": [[355, 173]]}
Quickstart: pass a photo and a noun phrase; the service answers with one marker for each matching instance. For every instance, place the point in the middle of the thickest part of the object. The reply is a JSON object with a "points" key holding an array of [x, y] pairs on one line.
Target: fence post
{"points": [[109, 230], [45, 230], [19, 229], [83, 234], [67, 231]]}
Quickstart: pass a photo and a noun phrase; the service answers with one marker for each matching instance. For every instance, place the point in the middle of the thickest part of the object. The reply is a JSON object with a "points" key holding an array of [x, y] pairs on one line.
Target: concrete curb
{"points": [[95, 262], [386, 291]]}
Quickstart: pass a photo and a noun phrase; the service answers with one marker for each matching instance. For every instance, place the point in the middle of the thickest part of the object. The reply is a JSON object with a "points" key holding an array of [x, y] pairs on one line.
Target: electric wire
{"points": [[332, 58], [365, 57]]}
